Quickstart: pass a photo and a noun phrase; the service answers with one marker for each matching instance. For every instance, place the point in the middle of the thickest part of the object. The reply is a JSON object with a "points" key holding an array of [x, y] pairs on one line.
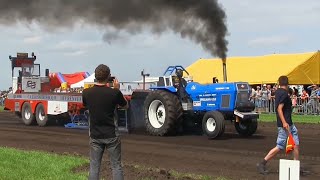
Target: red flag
{"points": [[290, 144]]}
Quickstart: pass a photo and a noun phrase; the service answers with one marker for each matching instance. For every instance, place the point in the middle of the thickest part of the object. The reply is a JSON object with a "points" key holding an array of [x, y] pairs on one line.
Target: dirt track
{"points": [[231, 156]]}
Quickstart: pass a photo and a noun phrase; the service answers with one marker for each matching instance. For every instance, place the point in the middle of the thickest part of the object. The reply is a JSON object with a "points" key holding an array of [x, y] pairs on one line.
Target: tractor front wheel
{"points": [[213, 124], [247, 128], [163, 113]]}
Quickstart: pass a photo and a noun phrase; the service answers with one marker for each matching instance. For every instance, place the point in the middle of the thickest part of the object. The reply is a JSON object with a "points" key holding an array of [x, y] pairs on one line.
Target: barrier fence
{"points": [[2, 101], [309, 106]]}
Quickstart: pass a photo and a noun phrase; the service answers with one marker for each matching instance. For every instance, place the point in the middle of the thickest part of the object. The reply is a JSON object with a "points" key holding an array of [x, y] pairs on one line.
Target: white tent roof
{"points": [[81, 83]]}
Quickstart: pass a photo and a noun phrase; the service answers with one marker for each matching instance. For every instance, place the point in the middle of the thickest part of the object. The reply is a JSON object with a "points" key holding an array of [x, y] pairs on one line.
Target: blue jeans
{"points": [[283, 135], [258, 103], [97, 147]]}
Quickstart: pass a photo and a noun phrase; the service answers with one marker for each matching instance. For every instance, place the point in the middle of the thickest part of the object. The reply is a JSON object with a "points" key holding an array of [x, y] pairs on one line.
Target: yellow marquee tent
{"points": [[300, 68]]}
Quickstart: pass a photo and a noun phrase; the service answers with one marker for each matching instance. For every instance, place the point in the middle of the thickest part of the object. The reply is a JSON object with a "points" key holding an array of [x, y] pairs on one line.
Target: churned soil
{"points": [[144, 156], [135, 172]]}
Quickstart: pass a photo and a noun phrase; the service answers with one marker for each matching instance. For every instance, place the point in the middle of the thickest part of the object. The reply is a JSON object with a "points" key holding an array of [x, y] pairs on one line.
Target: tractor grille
{"points": [[243, 97], [243, 104]]}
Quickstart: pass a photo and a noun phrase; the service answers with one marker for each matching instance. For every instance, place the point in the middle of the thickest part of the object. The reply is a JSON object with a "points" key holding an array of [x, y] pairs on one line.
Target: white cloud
{"points": [[71, 45], [75, 53], [270, 41], [32, 40], [73, 48], [150, 41]]}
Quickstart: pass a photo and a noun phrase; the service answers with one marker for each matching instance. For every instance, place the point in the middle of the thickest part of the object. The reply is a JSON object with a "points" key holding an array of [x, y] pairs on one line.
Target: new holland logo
{"points": [[31, 84], [193, 87]]}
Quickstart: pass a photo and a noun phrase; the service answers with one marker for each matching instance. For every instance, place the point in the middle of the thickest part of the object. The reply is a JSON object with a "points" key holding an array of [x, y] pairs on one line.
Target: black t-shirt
{"points": [[101, 101], [273, 92], [282, 97]]}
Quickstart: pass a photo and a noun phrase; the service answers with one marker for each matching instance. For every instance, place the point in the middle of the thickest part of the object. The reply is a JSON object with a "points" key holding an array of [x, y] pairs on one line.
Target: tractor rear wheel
{"points": [[27, 116], [213, 124], [163, 113], [247, 128], [41, 115]]}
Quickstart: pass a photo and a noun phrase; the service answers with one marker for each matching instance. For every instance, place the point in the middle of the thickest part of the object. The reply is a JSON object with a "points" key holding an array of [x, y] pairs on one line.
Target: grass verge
{"points": [[308, 119], [17, 164], [1, 108]]}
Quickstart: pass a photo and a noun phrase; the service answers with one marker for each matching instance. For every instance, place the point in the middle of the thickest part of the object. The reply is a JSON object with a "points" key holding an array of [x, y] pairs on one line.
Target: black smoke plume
{"points": [[203, 21]]}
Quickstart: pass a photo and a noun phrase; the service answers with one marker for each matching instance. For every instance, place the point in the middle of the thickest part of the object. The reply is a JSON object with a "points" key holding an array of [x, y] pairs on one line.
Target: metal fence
{"points": [[2, 101], [310, 106]]}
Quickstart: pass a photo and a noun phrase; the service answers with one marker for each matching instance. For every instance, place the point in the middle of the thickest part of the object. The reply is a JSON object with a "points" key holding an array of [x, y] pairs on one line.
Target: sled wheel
{"points": [[27, 116]]}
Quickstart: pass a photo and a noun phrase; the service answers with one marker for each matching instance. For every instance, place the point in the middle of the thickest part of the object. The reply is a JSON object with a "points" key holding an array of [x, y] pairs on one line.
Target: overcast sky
{"points": [[255, 28]]}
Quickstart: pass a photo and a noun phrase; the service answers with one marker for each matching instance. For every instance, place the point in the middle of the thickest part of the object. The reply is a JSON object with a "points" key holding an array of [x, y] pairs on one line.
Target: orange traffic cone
{"points": [[290, 144]]}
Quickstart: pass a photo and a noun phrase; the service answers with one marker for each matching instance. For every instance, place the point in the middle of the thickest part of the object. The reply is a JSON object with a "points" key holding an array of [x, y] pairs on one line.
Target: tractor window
{"points": [[27, 70], [36, 70], [242, 87], [161, 82], [168, 81]]}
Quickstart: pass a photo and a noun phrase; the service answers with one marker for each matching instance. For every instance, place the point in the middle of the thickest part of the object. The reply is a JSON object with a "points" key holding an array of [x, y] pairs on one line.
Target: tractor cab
{"points": [[174, 79], [25, 73], [172, 75]]}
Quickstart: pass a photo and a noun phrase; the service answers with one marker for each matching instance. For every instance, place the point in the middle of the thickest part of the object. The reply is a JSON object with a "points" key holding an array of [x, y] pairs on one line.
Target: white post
{"points": [[289, 169]]}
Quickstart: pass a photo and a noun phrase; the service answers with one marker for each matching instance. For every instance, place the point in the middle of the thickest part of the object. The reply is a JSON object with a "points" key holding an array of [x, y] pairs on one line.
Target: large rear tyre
{"points": [[41, 115], [213, 124], [163, 113], [247, 128], [27, 116]]}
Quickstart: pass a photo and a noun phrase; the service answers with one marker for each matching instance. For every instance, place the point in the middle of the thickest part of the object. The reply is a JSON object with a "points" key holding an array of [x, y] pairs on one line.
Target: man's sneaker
{"points": [[262, 168]]}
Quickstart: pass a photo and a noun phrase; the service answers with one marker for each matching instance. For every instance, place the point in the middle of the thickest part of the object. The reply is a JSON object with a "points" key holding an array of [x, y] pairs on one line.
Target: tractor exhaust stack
{"points": [[224, 63]]}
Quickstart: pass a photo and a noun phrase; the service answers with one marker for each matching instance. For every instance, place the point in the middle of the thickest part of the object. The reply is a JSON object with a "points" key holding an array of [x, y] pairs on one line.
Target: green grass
{"points": [[18, 164], [310, 119], [1, 108], [33, 165]]}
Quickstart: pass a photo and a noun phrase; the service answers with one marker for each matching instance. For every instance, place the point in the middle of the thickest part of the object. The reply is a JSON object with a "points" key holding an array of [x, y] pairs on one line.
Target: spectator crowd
{"points": [[3, 96], [307, 101]]}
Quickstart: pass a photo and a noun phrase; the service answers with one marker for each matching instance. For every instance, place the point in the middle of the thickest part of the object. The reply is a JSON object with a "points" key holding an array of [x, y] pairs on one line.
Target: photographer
{"points": [[102, 101]]}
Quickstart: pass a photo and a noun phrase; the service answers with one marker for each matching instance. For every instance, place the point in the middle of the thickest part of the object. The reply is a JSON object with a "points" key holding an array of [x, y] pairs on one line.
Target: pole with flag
{"points": [[290, 143]]}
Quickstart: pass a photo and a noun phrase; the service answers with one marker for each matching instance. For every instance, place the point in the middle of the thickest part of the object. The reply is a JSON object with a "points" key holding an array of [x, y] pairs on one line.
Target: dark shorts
{"points": [[283, 135]]}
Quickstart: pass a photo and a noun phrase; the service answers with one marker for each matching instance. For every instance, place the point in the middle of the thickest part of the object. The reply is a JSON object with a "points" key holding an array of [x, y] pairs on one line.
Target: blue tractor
{"points": [[177, 102]]}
